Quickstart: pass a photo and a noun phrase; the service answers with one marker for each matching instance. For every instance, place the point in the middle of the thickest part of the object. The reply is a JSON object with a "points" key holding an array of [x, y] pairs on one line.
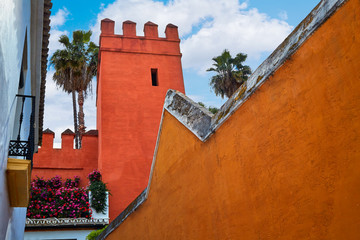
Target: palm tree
{"points": [[75, 66], [64, 77], [86, 56], [231, 73]]}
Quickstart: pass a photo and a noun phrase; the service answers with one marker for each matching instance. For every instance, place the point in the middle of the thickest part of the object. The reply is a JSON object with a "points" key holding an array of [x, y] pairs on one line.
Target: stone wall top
{"points": [[129, 29]]}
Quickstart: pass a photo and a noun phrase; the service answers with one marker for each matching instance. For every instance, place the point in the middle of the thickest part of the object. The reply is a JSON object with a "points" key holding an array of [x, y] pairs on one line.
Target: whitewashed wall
{"points": [[15, 27]]}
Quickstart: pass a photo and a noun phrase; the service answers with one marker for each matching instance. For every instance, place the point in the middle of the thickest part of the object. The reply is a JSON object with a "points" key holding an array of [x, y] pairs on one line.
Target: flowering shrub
{"points": [[39, 182], [54, 182], [94, 176], [69, 183], [98, 191], [51, 199]]}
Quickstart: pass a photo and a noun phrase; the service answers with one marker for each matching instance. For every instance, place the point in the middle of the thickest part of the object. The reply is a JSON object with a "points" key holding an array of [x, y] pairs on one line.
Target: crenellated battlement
{"points": [[129, 30], [67, 139], [150, 43], [67, 161]]}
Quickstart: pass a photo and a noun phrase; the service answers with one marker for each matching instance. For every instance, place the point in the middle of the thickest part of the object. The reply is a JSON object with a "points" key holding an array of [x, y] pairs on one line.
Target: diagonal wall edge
{"points": [[178, 105]]}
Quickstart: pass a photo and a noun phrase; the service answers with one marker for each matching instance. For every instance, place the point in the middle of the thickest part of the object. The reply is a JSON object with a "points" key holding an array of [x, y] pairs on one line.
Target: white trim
{"points": [[64, 222]]}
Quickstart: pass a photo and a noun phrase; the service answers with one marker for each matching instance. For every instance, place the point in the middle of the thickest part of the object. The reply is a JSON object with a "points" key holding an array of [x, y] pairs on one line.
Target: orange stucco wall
{"points": [[128, 106], [285, 165], [67, 161]]}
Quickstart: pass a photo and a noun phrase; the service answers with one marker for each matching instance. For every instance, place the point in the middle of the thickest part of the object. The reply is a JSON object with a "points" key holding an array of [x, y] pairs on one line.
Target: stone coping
{"points": [[61, 222]]}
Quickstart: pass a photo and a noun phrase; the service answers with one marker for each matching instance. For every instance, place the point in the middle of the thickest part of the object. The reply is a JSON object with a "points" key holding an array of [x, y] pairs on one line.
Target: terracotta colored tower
{"points": [[134, 75]]}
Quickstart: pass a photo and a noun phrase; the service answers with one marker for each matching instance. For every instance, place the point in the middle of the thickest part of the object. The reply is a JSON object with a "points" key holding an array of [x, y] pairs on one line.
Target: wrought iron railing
{"points": [[23, 146]]}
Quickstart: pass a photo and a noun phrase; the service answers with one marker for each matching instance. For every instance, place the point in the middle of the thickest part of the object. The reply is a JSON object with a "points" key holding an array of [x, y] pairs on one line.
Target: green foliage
{"points": [[98, 196], [76, 64], [94, 234], [213, 110], [98, 192], [230, 73], [201, 104]]}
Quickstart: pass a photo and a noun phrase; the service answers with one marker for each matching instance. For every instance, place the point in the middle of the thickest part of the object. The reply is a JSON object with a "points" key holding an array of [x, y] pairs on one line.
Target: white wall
{"points": [[47, 235], [15, 19]]}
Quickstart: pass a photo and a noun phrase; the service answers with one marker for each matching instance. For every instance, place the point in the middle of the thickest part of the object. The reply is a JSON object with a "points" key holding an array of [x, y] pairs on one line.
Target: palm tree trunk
{"points": [[81, 115], [74, 113], [75, 120]]}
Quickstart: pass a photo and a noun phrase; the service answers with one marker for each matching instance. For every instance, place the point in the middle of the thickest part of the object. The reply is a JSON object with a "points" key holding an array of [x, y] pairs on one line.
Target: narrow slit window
{"points": [[154, 77]]}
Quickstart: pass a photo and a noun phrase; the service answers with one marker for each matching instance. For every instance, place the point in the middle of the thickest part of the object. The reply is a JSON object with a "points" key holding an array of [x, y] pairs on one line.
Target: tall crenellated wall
{"points": [[280, 160], [129, 42], [134, 75], [67, 161]]}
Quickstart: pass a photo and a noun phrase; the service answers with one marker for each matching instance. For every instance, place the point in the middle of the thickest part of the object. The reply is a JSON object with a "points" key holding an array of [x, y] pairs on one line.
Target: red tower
{"points": [[134, 75]]}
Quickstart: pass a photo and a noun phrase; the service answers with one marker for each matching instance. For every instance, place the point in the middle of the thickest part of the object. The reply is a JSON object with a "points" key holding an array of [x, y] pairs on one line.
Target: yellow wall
{"points": [[285, 165]]}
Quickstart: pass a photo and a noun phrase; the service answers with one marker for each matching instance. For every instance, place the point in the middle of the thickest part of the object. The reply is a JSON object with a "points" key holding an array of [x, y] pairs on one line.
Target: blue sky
{"points": [[206, 27]]}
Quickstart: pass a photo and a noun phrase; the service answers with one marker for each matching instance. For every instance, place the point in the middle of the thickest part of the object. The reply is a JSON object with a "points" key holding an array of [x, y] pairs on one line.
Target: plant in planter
{"points": [[98, 191], [94, 176]]}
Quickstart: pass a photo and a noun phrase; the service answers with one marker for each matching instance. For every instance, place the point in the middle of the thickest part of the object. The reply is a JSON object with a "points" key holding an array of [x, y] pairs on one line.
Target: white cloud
{"points": [[206, 101], [206, 27], [102, 6], [248, 32], [196, 98], [54, 40], [184, 13], [283, 15], [59, 18], [56, 22]]}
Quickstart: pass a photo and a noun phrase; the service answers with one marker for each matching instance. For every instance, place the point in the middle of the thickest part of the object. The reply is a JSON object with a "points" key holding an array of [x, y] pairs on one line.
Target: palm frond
{"points": [[64, 40], [230, 73]]}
